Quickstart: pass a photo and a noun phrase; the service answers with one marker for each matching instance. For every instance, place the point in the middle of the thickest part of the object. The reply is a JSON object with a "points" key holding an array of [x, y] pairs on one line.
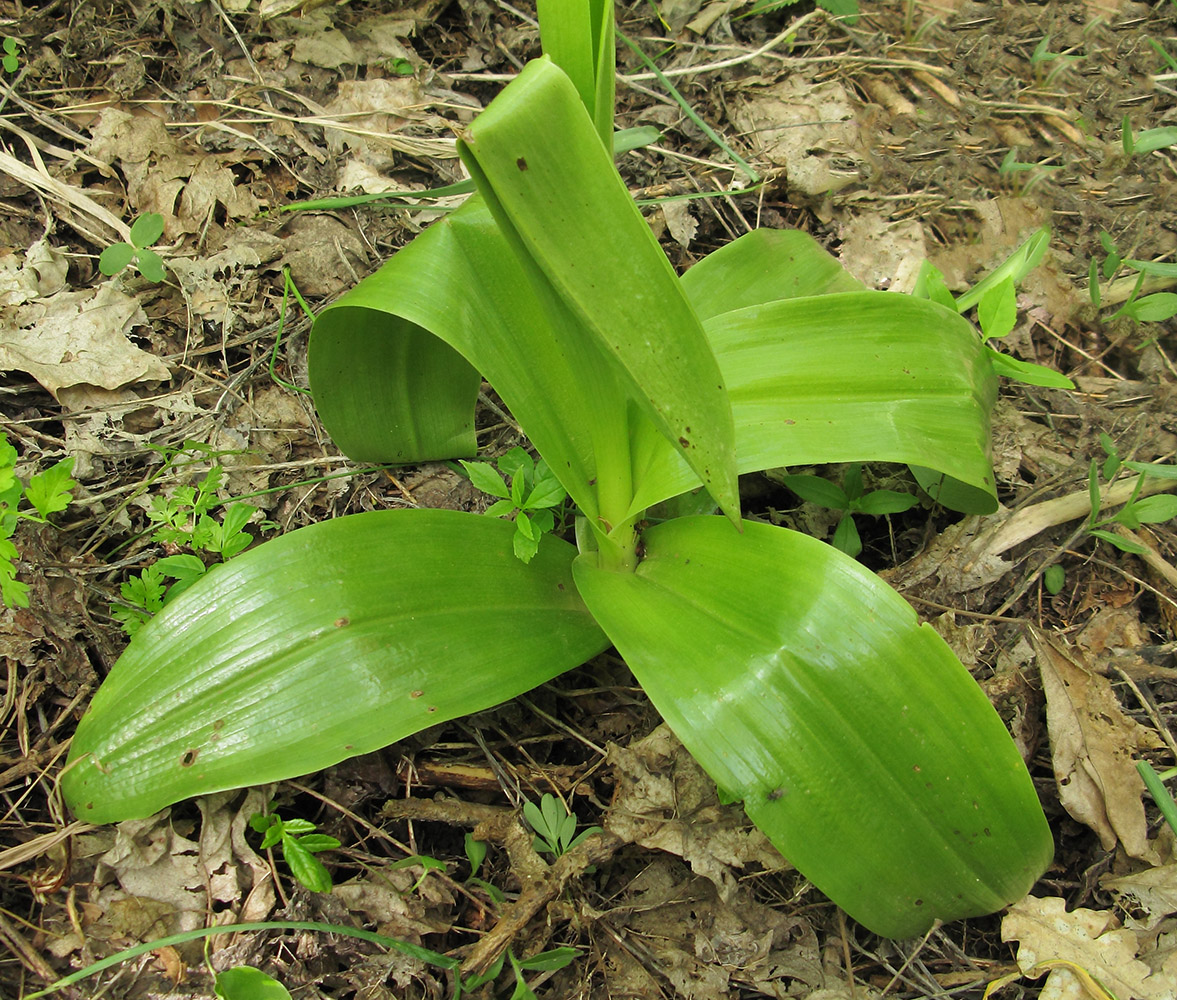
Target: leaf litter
{"points": [[886, 140]]}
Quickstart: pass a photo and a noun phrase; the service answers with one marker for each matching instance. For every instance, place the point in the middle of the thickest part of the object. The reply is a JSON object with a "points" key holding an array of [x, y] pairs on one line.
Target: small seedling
{"points": [[1042, 56], [47, 492], [183, 519], [144, 232], [849, 498], [244, 982], [532, 496], [1012, 165], [299, 844], [1156, 308], [1160, 794], [10, 60], [1148, 141], [554, 826], [426, 863], [1138, 510]]}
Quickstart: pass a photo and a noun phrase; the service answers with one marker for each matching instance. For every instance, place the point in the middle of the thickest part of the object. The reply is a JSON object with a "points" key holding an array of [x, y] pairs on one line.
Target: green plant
{"points": [[1156, 308], [1148, 141], [144, 232], [1134, 512], [47, 492], [802, 683], [532, 495], [183, 519], [299, 844], [1011, 165], [1042, 56], [555, 826], [849, 498], [10, 61], [847, 10]]}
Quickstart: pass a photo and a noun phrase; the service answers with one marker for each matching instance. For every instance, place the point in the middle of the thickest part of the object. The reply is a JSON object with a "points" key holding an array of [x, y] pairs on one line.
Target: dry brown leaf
{"points": [[1089, 939], [881, 253], [80, 338], [809, 129], [1092, 744], [665, 801], [1153, 890]]}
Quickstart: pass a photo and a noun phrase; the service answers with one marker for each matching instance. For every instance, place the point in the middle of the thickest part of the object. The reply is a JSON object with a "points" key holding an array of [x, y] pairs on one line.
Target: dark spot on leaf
{"points": [[916, 768], [416, 694], [790, 423], [559, 586], [776, 793], [341, 621], [684, 442], [349, 746], [987, 832], [521, 163], [218, 725], [433, 708], [189, 758], [89, 805], [919, 902]]}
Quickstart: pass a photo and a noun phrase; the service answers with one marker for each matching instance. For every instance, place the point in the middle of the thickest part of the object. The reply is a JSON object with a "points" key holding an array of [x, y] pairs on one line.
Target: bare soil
{"points": [[943, 130]]}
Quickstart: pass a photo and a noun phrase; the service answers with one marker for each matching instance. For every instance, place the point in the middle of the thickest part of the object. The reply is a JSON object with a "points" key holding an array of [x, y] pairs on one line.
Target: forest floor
{"points": [[946, 131]]}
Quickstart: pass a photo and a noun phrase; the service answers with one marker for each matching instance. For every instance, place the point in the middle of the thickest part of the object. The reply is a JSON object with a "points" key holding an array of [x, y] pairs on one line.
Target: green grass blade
{"points": [[342, 637], [855, 739], [552, 185]]}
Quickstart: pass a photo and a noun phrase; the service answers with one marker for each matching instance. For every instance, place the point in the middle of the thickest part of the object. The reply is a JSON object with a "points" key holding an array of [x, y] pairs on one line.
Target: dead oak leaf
{"points": [[1081, 944], [1092, 745], [80, 338]]}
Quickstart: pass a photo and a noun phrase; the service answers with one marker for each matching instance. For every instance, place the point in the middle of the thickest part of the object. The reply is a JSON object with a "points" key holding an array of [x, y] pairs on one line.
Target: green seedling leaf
{"points": [[150, 265], [930, 284], [475, 853], [1152, 139], [1126, 138], [1093, 283], [814, 489], [500, 508], [146, 229], [51, 490], [115, 257], [1094, 500], [1152, 308], [1155, 509], [516, 461], [244, 982], [835, 651], [547, 492], [1156, 268], [484, 478], [1015, 267], [1156, 470], [304, 866], [846, 538], [997, 312], [1026, 371], [550, 961], [852, 482], [1054, 578], [1118, 541], [879, 502]]}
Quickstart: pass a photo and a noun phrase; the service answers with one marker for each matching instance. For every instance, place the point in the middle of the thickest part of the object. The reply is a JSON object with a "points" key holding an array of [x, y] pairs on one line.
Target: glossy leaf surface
{"points": [[553, 189], [328, 642], [846, 377], [852, 734]]}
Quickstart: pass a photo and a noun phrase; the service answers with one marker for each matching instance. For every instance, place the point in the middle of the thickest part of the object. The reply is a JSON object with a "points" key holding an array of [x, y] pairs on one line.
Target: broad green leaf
{"points": [[1157, 469], [846, 538], [372, 352], [997, 311], [856, 740], [484, 478], [879, 502], [1152, 308], [550, 961], [146, 229], [150, 265], [814, 489], [1152, 139], [244, 982], [846, 377], [304, 866], [328, 642], [1155, 509], [554, 192], [1119, 542], [763, 266], [578, 36], [49, 491], [115, 257]]}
